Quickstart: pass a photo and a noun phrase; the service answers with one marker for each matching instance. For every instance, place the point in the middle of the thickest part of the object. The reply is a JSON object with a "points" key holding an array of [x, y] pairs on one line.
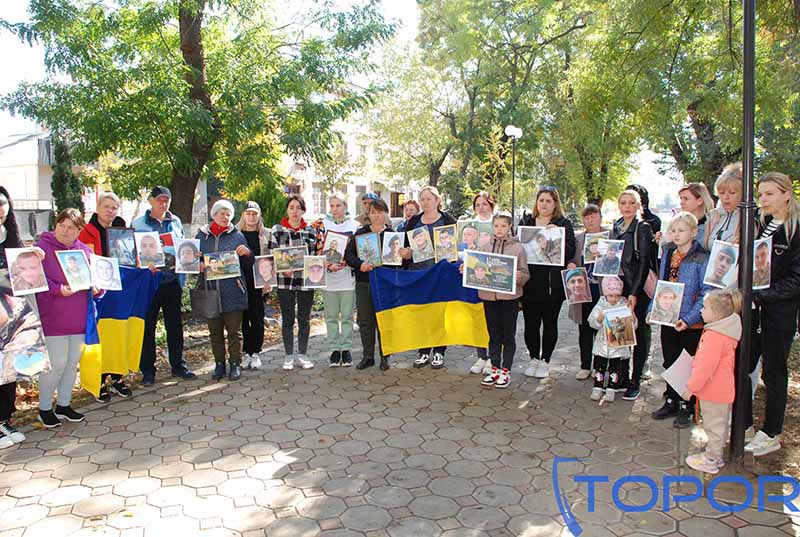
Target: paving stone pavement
{"points": [[343, 453]]}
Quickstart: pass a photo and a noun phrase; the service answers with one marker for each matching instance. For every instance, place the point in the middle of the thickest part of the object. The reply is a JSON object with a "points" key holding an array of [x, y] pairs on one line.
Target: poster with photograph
{"points": [[444, 243], [188, 256], [26, 272], [22, 348], [490, 272], [392, 243], [619, 327], [314, 272], [421, 244], [264, 273], [576, 285], [721, 270], [473, 234], [666, 306], [368, 248], [543, 246], [168, 247], [122, 245], [289, 258], [590, 246], [334, 246], [762, 263], [222, 265], [76, 269], [148, 246], [105, 273], [609, 257]]}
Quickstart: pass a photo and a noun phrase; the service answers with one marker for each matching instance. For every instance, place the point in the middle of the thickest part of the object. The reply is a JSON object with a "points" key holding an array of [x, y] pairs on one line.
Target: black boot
{"points": [[219, 371], [668, 410], [236, 371], [365, 363], [683, 419], [384, 363]]}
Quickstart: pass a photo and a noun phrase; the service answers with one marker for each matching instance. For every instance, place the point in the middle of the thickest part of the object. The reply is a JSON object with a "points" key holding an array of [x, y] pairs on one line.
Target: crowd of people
{"points": [[708, 325]]}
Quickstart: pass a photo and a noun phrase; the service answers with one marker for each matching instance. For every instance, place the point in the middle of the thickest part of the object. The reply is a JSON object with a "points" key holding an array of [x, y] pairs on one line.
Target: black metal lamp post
{"points": [[513, 133], [741, 405]]}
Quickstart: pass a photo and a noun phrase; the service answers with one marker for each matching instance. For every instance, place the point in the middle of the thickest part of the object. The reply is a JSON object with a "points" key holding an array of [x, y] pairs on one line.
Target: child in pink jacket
{"points": [[712, 378]]}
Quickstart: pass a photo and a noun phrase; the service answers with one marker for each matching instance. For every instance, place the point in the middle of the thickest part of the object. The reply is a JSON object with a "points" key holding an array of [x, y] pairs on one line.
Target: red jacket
{"points": [[712, 376], [92, 237]]}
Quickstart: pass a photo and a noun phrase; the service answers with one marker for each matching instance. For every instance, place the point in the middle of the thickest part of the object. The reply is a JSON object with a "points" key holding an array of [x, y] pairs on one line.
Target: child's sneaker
{"points": [[503, 379], [610, 395], [701, 463], [597, 394], [288, 363], [478, 366], [247, 359], [491, 378]]}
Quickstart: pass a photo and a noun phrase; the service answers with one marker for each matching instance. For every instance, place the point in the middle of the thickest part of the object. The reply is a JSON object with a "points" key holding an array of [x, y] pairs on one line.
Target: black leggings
{"points": [[8, 395], [302, 300], [501, 322], [253, 322], [537, 314]]}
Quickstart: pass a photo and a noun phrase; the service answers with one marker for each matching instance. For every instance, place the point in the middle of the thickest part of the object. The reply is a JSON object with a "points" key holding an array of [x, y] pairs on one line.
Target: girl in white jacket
{"points": [[607, 359]]}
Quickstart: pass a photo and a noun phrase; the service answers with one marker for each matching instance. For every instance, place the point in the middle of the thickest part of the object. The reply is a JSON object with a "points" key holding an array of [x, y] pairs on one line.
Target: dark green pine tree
{"points": [[65, 184]]}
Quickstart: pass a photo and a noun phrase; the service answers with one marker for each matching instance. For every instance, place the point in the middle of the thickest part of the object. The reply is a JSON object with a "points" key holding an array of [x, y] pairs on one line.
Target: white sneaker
{"points": [[255, 363], [610, 395], [487, 368], [762, 444], [305, 363], [9, 431], [288, 363], [437, 361], [597, 394], [478, 366], [5, 442], [533, 369], [583, 374], [543, 371], [701, 463], [247, 359], [491, 378], [503, 379]]}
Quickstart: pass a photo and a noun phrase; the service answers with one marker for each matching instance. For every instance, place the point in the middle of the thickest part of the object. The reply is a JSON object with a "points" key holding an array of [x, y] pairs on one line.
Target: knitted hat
{"points": [[611, 285], [573, 273], [221, 204]]}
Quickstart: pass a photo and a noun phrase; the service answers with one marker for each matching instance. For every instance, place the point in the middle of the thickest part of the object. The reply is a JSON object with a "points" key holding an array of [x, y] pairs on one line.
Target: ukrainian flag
{"points": [[115, 328], [417, 309]]}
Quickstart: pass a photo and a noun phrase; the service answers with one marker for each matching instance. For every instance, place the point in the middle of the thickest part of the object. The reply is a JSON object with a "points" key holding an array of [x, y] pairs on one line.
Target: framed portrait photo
{"points": [[542, 245], [490, 272], [264, 273], [590, 246], [666, 305], [76, 269], [25, 271], [149, 249], [392, 243], [333, 247], [122, 245], [762, 263], [187, 256], [609, 257], [289, 258], [222, 265], [105, 273], [368, 248], [314, 273], [421, 244], [618, 325], [444, 243], [576, 285], [722, 262]]}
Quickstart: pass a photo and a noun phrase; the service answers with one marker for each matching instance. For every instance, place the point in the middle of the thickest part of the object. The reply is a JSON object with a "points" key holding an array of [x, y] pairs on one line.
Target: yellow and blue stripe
{"points": [[417, 309]]}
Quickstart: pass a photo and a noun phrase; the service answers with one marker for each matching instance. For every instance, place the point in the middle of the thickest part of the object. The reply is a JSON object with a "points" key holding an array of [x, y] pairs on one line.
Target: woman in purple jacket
{"points": [[63, 315]]}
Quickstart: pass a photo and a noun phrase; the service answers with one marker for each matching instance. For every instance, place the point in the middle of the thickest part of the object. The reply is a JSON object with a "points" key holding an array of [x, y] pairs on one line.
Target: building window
{"points": [[318, 203]]}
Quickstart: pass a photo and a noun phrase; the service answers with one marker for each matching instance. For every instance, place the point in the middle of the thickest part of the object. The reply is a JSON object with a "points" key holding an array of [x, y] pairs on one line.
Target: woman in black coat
{"points": [[777, 306], [543, 294], [637, 262]]}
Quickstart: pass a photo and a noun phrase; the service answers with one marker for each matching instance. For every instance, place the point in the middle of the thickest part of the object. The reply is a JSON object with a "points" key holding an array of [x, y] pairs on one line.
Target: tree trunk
{"points": [[184, 180]]}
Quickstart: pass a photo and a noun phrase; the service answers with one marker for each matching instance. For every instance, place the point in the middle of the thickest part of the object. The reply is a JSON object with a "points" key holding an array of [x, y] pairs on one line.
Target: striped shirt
{"points": [[770, 229]]}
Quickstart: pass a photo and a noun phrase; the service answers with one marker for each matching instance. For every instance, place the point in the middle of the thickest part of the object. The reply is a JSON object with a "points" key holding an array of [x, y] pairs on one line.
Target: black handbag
{"points": [[205, 301]]}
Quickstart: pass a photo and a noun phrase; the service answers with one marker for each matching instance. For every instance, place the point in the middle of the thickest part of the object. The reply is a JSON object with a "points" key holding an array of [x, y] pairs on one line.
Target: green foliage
{"points": [[65, 185], [228, 94]]}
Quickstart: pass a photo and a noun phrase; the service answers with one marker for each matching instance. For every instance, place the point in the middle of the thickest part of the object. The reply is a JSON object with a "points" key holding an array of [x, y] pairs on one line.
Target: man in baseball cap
{"points": [[167, 299]]}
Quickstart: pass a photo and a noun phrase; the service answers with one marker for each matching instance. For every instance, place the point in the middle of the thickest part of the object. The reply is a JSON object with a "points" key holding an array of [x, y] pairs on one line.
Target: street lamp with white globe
{"points": [[513, 133]]}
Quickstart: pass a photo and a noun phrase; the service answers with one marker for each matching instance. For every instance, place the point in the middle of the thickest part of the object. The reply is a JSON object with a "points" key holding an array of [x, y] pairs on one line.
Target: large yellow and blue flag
{"points": [[115, 328], [417, 309]]}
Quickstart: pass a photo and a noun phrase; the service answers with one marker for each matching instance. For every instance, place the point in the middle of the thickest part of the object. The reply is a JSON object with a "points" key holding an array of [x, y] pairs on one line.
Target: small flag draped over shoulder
{"points": [[115, 328], [417, 309]]}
